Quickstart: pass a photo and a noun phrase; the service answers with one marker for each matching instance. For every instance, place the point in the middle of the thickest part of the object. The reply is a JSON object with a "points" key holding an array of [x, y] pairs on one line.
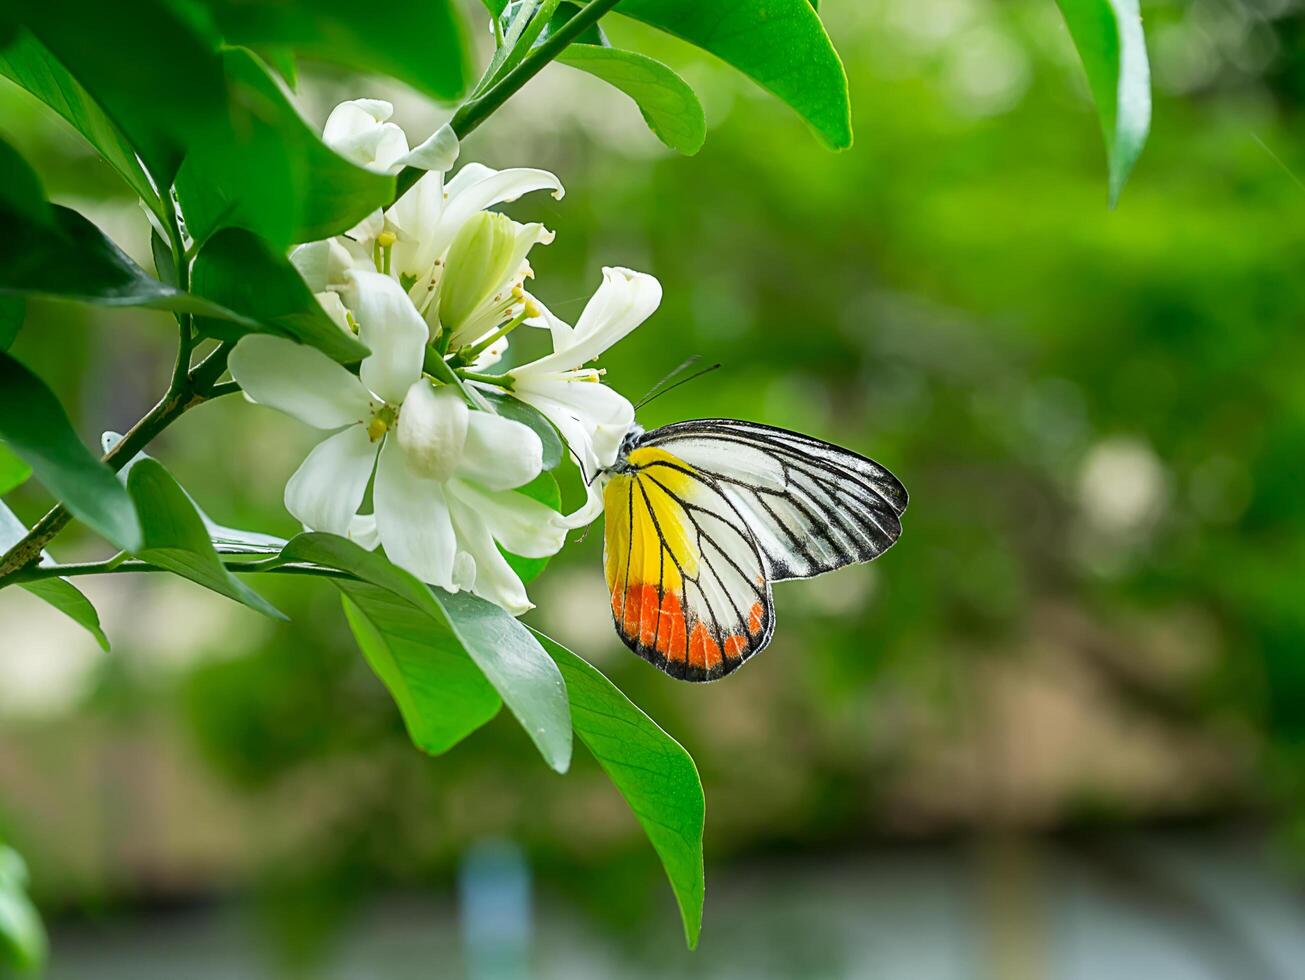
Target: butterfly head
{"points": [[628, 445]]}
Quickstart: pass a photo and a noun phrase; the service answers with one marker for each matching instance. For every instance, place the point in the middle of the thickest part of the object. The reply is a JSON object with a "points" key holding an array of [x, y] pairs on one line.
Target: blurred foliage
{"points": [[1094, 613]]}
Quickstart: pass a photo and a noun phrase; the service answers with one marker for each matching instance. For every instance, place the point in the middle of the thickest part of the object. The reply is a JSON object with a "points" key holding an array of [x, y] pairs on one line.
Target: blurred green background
{"points": [[1059, 730]]}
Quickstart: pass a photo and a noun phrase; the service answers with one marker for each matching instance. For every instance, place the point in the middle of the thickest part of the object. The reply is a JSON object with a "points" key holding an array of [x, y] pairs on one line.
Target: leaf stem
{"points": [[476, 110]]}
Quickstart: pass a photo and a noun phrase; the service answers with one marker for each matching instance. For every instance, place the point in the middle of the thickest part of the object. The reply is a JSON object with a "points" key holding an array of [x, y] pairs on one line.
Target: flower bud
{"points": [[480, 261]]}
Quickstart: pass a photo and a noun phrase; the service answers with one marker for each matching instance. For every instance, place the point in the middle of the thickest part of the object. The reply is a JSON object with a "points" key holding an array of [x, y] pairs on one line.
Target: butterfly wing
{"points": [[811, 506], [689, 584]]}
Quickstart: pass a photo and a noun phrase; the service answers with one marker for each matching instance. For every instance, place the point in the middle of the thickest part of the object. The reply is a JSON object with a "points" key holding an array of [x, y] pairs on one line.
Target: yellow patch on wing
{"points": [[650, 548]]}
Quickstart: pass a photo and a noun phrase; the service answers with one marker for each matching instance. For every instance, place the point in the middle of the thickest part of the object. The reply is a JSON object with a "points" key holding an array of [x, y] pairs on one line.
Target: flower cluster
{"points": [[433, 287]]}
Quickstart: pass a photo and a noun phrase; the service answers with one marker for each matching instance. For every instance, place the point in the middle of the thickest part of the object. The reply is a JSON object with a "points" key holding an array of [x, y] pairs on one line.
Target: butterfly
{"points": [[702, 517]]}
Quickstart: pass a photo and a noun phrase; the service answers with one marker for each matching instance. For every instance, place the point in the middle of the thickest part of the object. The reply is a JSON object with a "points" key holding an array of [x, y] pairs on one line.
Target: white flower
{"points": [[592, 418], [358, 130], [445, 475]]}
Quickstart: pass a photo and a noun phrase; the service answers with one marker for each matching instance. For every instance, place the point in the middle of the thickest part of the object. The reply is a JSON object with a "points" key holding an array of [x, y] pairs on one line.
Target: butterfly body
{"points": [[703, 516]]}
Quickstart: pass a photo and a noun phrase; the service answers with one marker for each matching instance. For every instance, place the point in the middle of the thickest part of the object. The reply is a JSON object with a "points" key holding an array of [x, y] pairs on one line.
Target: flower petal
{"points": [[362, 532], [500, 454], [298, 380], [432, 430], [624, 300], [392, 330], [601, 413], [484, 188], [494, 578], [588, 511], [521, 524], [414, 217], [358, 131], [327, 489], [438, 152], [413, 520]]}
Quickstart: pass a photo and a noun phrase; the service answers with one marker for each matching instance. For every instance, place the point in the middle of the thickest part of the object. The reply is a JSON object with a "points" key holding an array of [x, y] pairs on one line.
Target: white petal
{"points": [[354, 117], [491, 355], [327, 489], [561, 331], [500, 454], [413, 520], [363, 532], [322, 264], [414, 218], [392, 330], [519, 523], [494, 578], [439, 152], [624, 300], [602, 414], [466, 197], [589, 511], [298, 380], [433, 429]]}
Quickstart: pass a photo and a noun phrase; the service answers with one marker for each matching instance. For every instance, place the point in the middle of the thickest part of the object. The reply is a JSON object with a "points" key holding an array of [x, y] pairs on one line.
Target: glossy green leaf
{"points": [[264, 169], [543, 488], [651, 770], [13, 310], [32, 66], [669, 106], [504, 650], [48, 250], [780, 44], [58, 592], [519, 411], [13, 471], [175, 538], [147, 65], [36, 428], [425, 48], [70, 601], [441, 693], [165, 268], [239, 271], [226, 540], [1110, 40], [23, 943]]}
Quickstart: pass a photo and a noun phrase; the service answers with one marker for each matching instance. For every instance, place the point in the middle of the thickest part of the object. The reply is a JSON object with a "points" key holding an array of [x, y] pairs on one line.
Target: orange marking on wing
{"points": [[648, 609], [736, 645], [679, 643], [668, 615], [755, 617], [698, 646]]}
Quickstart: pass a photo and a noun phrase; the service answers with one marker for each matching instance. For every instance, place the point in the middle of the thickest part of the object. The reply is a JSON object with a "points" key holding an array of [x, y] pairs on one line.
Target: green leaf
{"points": [[240, 271], [780, 44], [543, 488], [441, 693], [651, 770], [593, 34], [36, 427], [13, 310], [669, 106], [175, 537], [165, 268], [1110, 40], [426, 50], [13, 471], [58, 592], [519, 411], [264, 169], [48, 250], [226, 540], [70, 601], [148, 66], [32, 66], [504, 650], [23, 944]]}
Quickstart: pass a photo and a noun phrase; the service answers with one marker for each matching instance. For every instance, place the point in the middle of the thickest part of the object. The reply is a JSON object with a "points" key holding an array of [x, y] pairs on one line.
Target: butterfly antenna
{"points": [[662, 387]]}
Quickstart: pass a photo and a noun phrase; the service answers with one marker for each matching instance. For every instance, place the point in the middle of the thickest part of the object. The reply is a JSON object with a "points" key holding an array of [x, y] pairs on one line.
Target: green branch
{"points": [[115, 566], [475, 111]]}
